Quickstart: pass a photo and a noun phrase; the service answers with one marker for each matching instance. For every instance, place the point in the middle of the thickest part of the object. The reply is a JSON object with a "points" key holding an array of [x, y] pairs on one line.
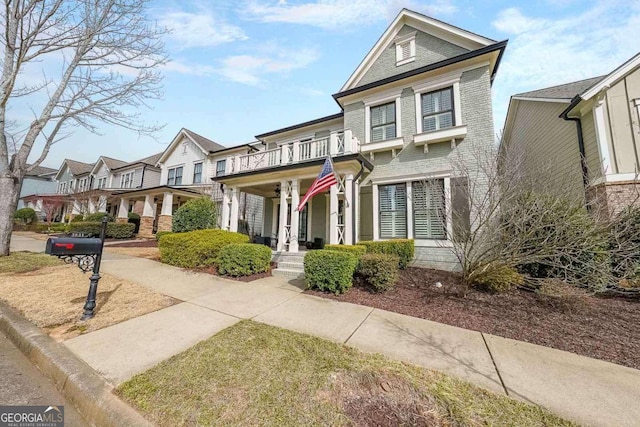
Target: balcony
{"points": [[336, 144]]}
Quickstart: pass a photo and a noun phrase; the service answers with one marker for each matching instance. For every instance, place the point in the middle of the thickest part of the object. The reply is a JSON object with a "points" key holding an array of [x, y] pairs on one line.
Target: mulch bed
{"points": [[606, 329], [214, 271], [140, 244]]}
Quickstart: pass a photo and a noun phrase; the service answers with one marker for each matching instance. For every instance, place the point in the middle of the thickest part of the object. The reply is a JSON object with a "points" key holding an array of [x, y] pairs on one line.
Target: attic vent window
{"points": [[405, 49]]}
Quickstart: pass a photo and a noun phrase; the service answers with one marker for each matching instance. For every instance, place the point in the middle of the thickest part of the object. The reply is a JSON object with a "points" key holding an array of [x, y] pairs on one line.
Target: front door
{"points": [[303, 219]]}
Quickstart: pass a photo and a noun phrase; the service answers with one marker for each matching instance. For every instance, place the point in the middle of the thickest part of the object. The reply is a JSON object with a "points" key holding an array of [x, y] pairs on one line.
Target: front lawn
{"points": [[254, 374], [52, 294], [606, 329]]}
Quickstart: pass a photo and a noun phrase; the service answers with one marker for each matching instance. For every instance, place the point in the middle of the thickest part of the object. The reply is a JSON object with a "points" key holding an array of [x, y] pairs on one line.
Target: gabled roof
{"points": [[109, 162], [442, 30], [206, 145], [76, 168], [564, 91], [41, 171], [149, 161], [301, 125]]}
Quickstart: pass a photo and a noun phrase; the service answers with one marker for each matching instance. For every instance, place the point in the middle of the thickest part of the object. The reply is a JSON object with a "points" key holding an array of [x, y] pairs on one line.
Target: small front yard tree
{"points": [[98, 62], [51, 205]]}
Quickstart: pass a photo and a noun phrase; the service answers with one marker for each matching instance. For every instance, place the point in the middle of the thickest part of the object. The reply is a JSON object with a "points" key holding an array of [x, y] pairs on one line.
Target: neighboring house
{"points": [[39, 181], [586, 133], [420, 97], [74, 178]]}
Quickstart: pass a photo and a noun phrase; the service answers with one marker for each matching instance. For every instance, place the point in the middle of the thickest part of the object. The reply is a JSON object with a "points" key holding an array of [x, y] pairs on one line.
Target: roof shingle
{"points": [[564, 91], [79, 168], [205, 143]]}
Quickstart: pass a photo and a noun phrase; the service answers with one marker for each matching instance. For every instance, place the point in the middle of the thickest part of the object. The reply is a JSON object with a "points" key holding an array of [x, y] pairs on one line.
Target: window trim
{"points": [[123, 180], [406, 209], [403, 41], [445, 207], [174, 169], [381, 99], [201, 163], [385, 124], [221, 172], [434, 86]]}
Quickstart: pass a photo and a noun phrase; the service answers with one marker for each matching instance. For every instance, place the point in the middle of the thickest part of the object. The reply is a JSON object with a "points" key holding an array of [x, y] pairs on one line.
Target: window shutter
{"points": [[406, 50]]}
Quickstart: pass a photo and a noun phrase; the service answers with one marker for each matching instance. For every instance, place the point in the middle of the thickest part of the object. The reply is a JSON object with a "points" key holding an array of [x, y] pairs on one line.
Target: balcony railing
{"points": [[336, 144]]}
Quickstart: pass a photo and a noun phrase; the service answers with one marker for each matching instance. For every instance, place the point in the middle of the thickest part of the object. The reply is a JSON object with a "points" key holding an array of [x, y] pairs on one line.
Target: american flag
{"points": [[325, 180]]}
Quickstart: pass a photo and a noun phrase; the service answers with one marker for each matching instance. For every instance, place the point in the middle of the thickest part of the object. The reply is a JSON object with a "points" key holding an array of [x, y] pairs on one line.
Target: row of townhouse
{"points": [[420, 98]]}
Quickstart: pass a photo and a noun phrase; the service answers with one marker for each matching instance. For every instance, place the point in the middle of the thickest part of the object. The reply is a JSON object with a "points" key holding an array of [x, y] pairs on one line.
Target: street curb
{"points": [[91, 395]]}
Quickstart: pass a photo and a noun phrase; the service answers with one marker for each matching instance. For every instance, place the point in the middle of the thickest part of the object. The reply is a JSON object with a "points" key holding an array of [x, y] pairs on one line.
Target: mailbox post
{"points": [[87, 253]]}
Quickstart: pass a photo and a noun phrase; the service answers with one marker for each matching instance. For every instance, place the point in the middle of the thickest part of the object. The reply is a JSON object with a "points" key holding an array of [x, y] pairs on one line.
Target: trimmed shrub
{"points": [[380, 271], [26, 216], [39, 228], [198, 248], [244, 259], [357, 250], [97, 217], [497, 278], [159, 234], [77, 218], [115, 230], [330, 271], [562, 296], [403, 248], [133, 215], [196, 214]]}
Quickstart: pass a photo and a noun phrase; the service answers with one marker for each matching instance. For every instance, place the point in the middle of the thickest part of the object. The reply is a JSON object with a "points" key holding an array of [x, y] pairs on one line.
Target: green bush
{"points": [[159, 234], [77, 218], [330, 271], [115, 230], [380, 271], [196, 214], [497, 278], [244, 259], [26, 216], [133, 215], [403, 248], [97, 217], [562, 296], [39, 228], [198, 248], [357, 250]]}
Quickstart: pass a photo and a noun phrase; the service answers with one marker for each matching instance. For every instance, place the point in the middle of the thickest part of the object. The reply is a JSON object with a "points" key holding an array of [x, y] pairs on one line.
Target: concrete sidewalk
{"points": [[589, 391]]}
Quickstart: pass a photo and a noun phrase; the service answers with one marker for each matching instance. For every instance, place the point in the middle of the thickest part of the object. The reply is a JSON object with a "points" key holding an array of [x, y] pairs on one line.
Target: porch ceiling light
{"points": [[277, 191]]}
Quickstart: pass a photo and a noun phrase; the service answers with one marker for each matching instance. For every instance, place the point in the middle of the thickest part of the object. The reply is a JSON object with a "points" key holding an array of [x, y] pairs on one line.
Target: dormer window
{"points": [[405, 49]]}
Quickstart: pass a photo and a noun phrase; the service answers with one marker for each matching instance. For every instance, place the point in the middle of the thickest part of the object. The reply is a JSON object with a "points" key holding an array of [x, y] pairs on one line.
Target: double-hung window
{"points": [[383, 122], [392, 204], [175, 176], [126, 181], [437, 110], [429, 219], [102, 183], [221, 165], [197, 173]]}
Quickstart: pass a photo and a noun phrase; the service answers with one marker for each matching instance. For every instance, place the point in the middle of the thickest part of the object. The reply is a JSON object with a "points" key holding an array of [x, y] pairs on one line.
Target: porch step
{"points": [[283, 257], [292, 274], [287, 265]]}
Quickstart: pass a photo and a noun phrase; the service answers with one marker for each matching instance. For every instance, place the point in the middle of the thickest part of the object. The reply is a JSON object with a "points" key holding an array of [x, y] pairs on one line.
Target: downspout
{"points": [[583, 156], [355, 204], [144, 168]]}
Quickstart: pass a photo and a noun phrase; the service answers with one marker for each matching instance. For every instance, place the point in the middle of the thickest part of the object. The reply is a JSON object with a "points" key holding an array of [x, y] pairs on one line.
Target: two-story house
{"points": [[584, 135], [36, 183], [420, 97]]}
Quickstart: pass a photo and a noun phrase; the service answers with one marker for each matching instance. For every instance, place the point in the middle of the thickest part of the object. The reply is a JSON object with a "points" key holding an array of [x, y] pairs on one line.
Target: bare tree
{"points": [[51, 205], [106, 52]]}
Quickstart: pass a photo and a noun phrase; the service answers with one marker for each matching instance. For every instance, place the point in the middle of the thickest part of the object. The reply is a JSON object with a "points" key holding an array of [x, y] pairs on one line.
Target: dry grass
{"points": [[23, 262], [255, 374], [53, 298], [149, 253], [32, 235]]}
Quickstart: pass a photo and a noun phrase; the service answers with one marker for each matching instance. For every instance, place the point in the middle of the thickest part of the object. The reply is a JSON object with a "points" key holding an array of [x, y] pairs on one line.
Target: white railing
{"points": [[336, 144]]}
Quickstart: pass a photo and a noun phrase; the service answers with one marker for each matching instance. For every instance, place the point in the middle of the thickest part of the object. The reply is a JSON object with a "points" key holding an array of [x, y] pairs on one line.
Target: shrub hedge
{"points": [[115, 230], [403, 248], [97, 217], [498, 278], [380, 271], [198, 248], [357, 250], [196, 214], [329, 270], [26, 216], [244, 259], [159, 234]]}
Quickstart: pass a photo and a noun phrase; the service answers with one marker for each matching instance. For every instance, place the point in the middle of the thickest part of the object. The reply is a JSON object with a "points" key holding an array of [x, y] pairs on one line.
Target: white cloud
{"points": [[199, 29], [182, 67], [543, 52], [251, 69], [338, 14]]}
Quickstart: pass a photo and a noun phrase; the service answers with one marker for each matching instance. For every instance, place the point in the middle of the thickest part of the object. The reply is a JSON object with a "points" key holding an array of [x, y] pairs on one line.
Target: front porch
{"points": [[159, 204], [326, 218]]}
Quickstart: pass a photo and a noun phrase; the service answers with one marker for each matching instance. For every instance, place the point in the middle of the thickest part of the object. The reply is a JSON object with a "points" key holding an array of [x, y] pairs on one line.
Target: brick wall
{"points": [[609, 199]]}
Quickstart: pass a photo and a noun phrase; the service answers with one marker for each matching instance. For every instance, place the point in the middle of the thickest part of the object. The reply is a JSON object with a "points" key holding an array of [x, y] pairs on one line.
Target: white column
{"points": [[333, 144], [376, 221], [167, 204], [76, 208], [102, 204], [91, 206], [283, 215], [235, 209], [274, 218], [123, 210], [348, 142], [409, 211], [348, 209], [356, 210], [147, 210], [333, 215], [296, 151], [226, 199], [295, 215], [601, 137]]}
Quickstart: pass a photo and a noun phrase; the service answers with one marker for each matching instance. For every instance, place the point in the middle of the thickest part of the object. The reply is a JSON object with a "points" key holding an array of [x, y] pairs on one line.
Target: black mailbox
{"points": [[68, 246]]}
